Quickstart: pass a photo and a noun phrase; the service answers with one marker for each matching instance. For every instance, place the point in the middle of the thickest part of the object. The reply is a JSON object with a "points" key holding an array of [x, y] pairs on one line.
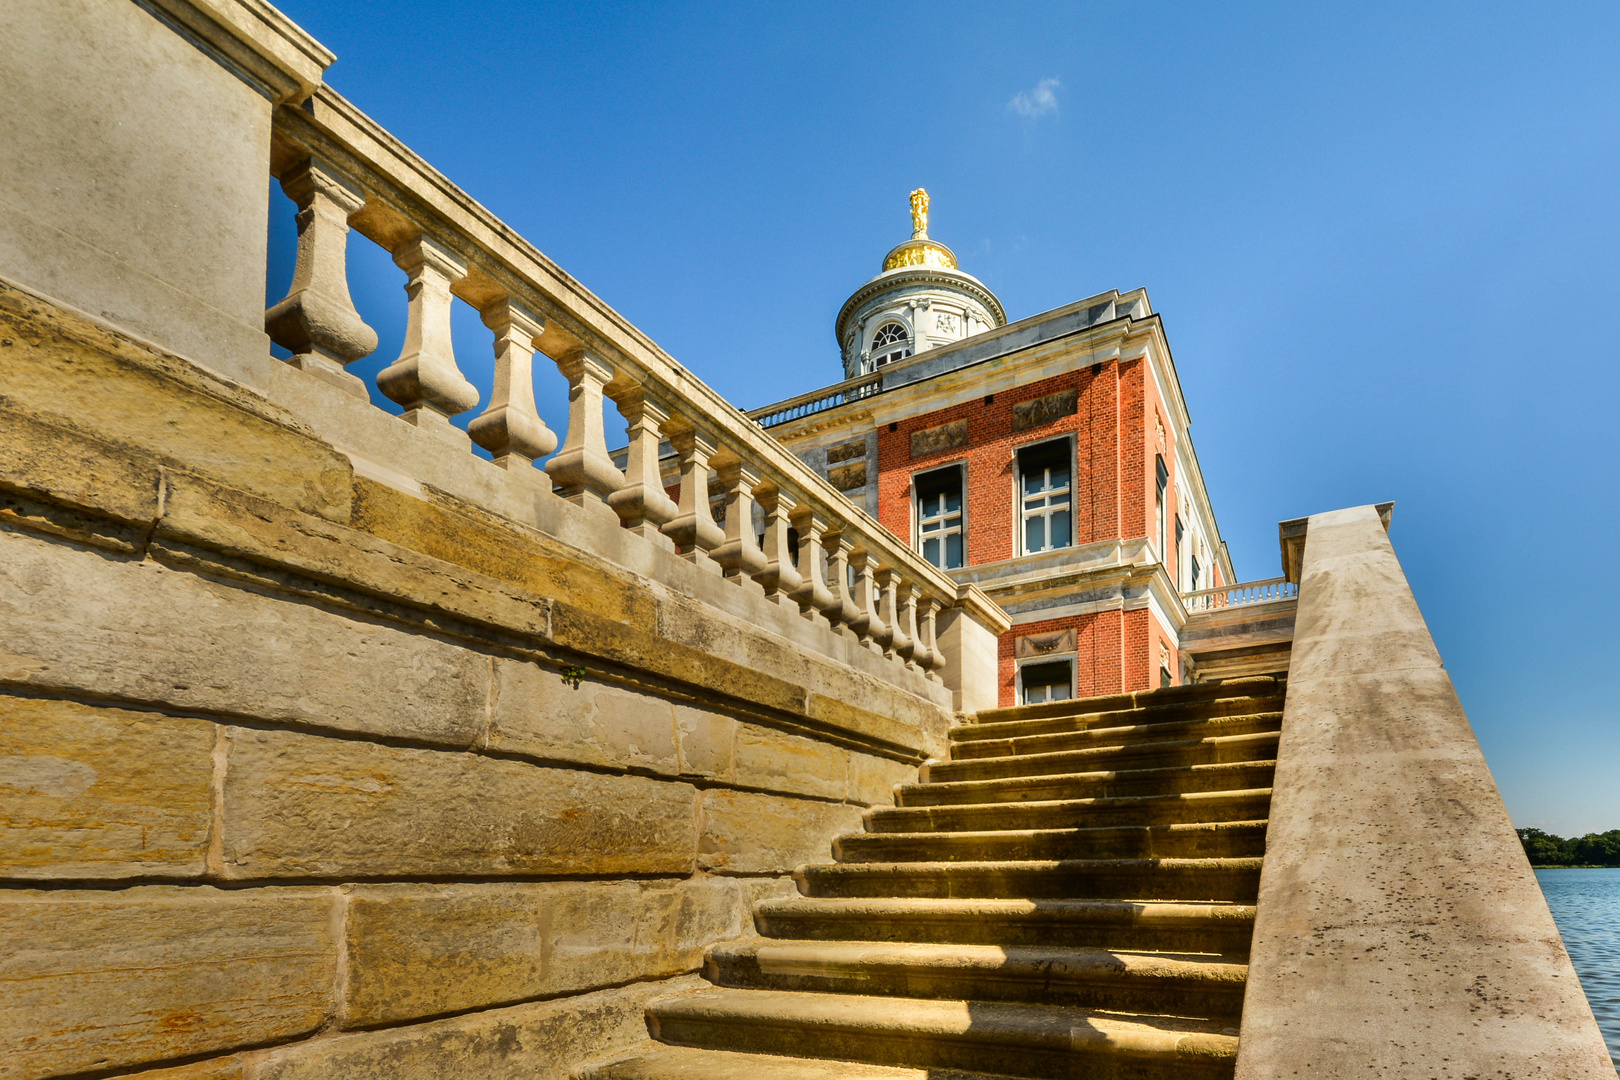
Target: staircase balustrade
{"points": [[346, 174]]}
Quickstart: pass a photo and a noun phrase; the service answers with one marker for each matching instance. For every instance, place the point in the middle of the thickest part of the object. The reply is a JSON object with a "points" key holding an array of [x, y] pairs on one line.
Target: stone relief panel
{"points": [[1027, 414], [848, 477], [940, 437], [846, 451], [1053, 644]]}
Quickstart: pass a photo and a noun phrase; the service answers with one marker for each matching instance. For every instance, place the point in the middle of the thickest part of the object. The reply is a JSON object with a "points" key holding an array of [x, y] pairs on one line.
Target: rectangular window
{"points": [[1180, 559], [939, 517], [1046, 495], [1051, 680], [1194, 560], [1162, 477]]}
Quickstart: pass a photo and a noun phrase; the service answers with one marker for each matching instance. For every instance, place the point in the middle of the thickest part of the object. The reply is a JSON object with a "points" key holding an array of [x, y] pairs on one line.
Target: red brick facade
{"points": [[1115, 427], [1107, 403]]}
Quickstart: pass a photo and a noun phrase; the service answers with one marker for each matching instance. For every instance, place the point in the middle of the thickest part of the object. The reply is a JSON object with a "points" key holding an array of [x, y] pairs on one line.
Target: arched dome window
{"points": [[889, 344]]}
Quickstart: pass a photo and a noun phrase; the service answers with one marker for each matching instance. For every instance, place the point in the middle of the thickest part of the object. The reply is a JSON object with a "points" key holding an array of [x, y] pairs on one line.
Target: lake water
{"points": [[1586, 906]]}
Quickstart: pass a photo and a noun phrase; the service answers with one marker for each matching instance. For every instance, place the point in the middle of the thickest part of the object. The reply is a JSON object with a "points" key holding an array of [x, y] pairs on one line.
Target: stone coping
{"points": [[259, 44]]}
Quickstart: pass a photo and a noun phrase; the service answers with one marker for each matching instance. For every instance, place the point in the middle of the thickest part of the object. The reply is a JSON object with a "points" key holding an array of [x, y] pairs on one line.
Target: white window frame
{"points": [[1019, 542], [905, 350], [917, 512], [1072, 659]]}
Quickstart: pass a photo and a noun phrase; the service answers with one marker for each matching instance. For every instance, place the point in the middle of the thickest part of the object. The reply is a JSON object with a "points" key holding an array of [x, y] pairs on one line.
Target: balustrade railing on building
{"points": [[346, 173], [817, 401], [1240, 595]]}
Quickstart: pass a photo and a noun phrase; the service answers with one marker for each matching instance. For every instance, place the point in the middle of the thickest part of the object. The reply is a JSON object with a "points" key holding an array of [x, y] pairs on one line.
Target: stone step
{"points": [[1170, 697], [659, 1061], [1114, 733], [1223, 928], [971, 734], [1101, 783], [1206, 751], [1172, 984], [1221, 839], [1234, 879], [1030, 1040], [1206, 806]]}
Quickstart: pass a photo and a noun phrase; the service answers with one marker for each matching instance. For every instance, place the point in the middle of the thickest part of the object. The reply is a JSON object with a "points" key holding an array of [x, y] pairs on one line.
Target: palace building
{"points": [[1047, 461]]}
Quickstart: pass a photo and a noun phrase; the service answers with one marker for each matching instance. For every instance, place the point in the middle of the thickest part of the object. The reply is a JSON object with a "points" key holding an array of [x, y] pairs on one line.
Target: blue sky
{"points": [[1385, 240]]}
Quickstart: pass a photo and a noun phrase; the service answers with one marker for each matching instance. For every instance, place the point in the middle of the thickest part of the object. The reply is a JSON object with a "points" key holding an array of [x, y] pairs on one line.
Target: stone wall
{"points": [[307, 773]]}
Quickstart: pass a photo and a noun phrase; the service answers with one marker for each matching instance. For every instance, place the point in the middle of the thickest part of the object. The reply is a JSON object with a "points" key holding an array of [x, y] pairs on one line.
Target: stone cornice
{"points": [[918, 275]]}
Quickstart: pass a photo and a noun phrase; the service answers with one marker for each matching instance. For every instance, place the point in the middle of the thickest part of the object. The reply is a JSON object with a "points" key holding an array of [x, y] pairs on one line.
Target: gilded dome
{"points": [[922, 252]]}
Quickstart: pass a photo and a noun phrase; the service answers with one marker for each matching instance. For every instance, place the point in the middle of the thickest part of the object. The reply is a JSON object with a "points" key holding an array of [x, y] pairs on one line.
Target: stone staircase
{"points": [[1070, 894]]}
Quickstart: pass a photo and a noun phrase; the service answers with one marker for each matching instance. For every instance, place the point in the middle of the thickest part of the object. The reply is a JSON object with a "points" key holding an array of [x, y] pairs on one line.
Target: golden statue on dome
{"points": [[919, 250]]}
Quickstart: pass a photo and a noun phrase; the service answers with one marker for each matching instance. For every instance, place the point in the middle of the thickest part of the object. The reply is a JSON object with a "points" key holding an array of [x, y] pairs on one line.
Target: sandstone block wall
{"points": [[306, 775]]}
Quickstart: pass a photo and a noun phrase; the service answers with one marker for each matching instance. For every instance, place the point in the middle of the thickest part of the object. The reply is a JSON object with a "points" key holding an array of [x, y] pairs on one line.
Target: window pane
{"points": [[931, 551], [1032, 483], [951, 501], [1046, 455], [940, 482], [1061, 536], [1034, 534], [1059, 478], [1046, 682], [953, 551]]}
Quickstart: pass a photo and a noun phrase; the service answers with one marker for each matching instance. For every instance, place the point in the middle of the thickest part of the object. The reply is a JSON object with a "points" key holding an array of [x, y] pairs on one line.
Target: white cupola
{"points": [[920, 301]]}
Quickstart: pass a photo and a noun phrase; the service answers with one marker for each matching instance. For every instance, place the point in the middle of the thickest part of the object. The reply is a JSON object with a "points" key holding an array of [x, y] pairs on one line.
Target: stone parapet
{"points": [[314, 760], [1400, 930]]}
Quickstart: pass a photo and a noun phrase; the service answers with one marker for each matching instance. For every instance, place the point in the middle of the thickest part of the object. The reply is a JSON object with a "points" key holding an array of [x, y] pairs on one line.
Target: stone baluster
{"points": [[842, 611], [913, 600], [812, 594], [898, 613], [425, 378], [317, 321], [779, 578], [693, 528], [868, 623], [920, 651], [740, 556], [934, 662], [510, 428], [642, 504], [584, 473]]}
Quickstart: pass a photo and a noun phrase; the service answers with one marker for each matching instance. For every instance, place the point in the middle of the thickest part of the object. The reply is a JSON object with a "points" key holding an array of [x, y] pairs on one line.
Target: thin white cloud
{"points": [[1036, 103]]}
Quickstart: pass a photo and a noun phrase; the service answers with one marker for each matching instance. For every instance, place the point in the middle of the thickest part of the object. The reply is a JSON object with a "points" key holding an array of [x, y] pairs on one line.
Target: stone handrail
{"points": [[344, 171], [1242, 594], [797, 408]]}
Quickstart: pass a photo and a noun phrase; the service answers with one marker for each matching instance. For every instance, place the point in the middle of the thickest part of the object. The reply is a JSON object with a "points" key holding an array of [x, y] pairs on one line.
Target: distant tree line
{"points": [[1593, 849]]}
